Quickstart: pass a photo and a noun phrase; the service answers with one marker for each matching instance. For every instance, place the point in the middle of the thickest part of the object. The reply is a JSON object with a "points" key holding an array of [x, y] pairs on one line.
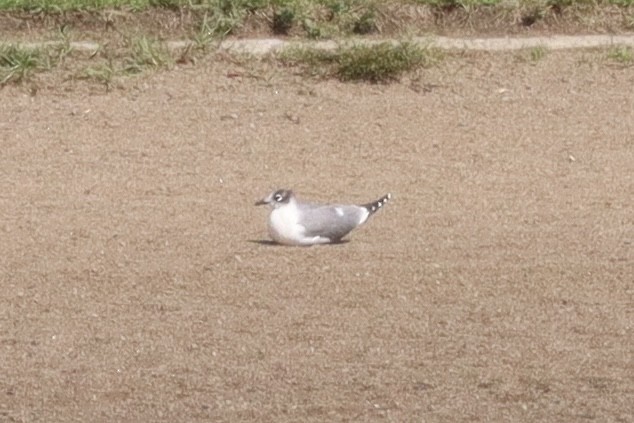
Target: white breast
{"points": [[283, 226]]}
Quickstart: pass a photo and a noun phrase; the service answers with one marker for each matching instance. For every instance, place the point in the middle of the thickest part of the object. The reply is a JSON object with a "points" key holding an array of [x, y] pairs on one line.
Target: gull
{"points": [[294, 222]]}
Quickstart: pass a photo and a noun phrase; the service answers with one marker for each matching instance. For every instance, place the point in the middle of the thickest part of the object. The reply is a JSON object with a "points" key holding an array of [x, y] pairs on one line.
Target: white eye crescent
{"points": [[278, 197]]}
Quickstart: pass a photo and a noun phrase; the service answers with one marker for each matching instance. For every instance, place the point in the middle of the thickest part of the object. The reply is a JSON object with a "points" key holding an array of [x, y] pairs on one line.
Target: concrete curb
{"points": [[555, 42], [271, 45]]}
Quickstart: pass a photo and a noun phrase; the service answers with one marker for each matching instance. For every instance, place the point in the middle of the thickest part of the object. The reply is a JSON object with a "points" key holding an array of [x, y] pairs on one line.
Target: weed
{"points": [[283, 21], [458, 4], [147, 54], [379, 62], [167, 4], [104, 74], [373, 63], [628, 21], [366, 23], [537, 53], [18, 63], [315, 62], [62, 49], [227, 15], [313, 30], [621, 54], [58, 6], [354, 16], [205, 35], [560, 5], [533, 14], [531, 55]]}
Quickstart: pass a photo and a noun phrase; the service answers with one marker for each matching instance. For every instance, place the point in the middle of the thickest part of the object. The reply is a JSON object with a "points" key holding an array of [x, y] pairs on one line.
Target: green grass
{"points": [[383, 62], [622, 55], [311, 61], [104, 74], [379, 63], [316, 19], [211, 20], [531, 55], [141, 55], [19, 63], [335, 6], [146, 54], [64, 5], [324, 18], [458, 3], [538, 53]]}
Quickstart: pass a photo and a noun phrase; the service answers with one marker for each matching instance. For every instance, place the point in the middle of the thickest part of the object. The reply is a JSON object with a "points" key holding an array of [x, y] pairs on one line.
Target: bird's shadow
{"points": [[265, 242], [269, 243]]}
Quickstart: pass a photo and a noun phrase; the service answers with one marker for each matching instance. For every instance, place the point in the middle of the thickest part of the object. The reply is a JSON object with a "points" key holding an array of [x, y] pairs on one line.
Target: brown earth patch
{"points": [[496, 286]]}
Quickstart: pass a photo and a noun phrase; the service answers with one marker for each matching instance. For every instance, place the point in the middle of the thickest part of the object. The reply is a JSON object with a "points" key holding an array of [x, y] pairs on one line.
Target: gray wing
{"points": [[328, 222]]}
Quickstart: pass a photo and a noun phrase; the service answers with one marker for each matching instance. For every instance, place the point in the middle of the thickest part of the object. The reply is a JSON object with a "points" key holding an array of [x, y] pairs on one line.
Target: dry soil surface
{"points": [[496, 286]]}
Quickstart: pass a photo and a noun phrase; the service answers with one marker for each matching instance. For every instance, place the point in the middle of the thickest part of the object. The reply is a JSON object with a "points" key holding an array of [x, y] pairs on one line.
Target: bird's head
{"points": [[277, 198]]}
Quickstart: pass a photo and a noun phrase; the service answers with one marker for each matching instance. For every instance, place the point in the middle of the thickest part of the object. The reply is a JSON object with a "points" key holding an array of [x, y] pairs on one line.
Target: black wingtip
{"points": [[374, 206]]}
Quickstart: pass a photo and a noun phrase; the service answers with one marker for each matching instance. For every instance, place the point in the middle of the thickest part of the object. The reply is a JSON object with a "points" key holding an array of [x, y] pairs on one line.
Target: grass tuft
{"points": [[226, 16], [205, 35], [59, 6], [102, 73], [313, 62], [380, 62], [319, 19], [365, 23], [622, 55], [375, 63], [146, 54], [455, 4], [283, 21], [17, 63], [538, 53]]}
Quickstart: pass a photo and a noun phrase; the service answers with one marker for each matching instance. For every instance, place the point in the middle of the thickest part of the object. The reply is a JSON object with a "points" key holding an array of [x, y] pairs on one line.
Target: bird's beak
{"points": [[261, 202]]}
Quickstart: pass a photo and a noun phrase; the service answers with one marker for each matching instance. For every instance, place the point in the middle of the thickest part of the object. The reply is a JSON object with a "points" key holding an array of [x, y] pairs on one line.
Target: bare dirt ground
{"points": [[496, 286]]}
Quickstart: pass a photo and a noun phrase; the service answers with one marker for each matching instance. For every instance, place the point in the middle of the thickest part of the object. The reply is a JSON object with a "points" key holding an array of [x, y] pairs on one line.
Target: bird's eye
{"points": [[278, 197]]}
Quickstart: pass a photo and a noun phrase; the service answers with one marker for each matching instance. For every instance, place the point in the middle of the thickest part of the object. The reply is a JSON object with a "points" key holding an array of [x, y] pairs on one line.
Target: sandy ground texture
{"points": [[496, 286]]}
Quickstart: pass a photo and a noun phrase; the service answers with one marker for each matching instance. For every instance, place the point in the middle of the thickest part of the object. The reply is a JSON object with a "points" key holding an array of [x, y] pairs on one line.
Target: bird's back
{"points": [[330, 221]]}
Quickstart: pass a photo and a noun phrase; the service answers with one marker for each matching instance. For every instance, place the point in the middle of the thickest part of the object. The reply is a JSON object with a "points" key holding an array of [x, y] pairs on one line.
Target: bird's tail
{"points": [[374, 206]]}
